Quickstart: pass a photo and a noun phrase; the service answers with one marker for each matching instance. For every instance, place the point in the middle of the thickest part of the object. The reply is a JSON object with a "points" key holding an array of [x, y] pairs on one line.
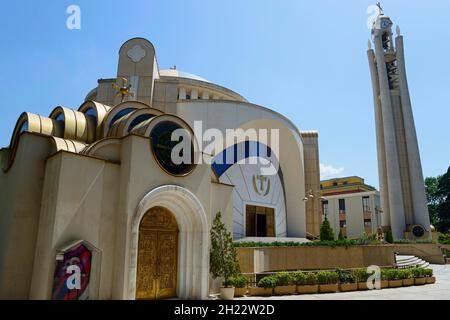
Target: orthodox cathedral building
{"points": [[96, 189]]}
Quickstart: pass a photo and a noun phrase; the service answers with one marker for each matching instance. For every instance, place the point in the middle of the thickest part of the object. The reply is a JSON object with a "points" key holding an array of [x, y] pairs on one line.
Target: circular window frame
{"points": [[182, 125]]}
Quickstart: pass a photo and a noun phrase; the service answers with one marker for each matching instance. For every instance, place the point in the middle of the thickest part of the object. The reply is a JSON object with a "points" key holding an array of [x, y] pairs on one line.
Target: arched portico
{"points": [[193, 249]]}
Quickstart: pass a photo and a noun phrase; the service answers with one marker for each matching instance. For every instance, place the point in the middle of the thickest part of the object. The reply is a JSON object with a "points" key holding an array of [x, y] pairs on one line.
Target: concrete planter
{"points": [[384, 284], [328, 288], [408, 282], [240, 292], [227, 293], [261, 292], [308, 289], [346, 287], [431, 280], [285, 290], [362, 286], [395, 283], [420, 281]]}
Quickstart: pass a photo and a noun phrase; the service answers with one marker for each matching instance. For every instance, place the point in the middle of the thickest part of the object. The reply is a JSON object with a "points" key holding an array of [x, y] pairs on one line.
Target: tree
{"points": [[223, 256], [326, 232], [438, 196]]}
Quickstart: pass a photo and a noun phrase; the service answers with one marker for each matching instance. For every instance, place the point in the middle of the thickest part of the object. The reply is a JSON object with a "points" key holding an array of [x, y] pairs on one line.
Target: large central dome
{"points": [[180, 74]]}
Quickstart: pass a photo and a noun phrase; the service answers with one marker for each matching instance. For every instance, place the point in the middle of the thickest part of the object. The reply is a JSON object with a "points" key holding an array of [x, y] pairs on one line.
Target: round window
{"points": [[175, 156]]}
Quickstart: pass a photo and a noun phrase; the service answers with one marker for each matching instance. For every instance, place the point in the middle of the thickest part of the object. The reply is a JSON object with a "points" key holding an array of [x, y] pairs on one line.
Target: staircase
{"points": [[403, 262]]}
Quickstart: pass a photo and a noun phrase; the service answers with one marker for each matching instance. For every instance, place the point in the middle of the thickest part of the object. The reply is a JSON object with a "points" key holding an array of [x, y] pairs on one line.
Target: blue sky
{"points": [[304, 59]]}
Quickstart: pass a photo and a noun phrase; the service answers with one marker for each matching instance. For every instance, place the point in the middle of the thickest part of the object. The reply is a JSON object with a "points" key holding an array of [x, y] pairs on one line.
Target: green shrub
{"points": [[268, 282], [300, 278], [385, 274], [239, 281], [284, 279], [326, 232], [393, 274], [327, 277], [406, 274], [428, 272], [366, 239], [311, 278], [360, 275], [345, 277], [389, 237], [418, 272]]}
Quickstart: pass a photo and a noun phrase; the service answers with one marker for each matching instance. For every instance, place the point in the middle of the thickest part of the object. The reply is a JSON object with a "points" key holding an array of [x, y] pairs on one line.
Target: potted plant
{"points": [[407, 277], [361, 277], [285, 284], [328, 281], [265, 286], [240, 285], [419, 276], [429, 276], [395, 279], [347, 281], [384, 279], [223, 257], [306, 282]]}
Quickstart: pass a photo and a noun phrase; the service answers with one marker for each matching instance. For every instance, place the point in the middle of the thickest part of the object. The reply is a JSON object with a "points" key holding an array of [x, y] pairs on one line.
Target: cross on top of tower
{"points": [[379, 7]]}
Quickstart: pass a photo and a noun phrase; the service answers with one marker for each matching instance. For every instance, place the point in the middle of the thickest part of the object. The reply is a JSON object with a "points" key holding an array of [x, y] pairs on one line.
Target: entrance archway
{"points": [[157, 255], [193, 240]]}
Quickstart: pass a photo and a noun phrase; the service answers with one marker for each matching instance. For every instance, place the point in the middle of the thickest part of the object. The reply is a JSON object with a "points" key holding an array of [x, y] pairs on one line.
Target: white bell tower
{"points": [[402, 187]]}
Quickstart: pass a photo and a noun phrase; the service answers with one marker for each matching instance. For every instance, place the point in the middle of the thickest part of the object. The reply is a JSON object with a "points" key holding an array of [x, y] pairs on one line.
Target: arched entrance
{"points": [[193, 258], [157, 265]]}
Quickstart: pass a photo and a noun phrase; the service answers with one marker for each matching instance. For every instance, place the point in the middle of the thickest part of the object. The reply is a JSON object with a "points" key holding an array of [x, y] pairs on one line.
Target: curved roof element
{"points": [[180, 74]]}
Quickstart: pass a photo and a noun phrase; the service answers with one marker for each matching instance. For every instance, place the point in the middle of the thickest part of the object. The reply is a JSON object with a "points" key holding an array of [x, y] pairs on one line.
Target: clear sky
{"points": [[304, 59]]}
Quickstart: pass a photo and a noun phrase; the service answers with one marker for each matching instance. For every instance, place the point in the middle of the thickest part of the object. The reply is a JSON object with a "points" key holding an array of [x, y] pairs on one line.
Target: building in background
{"points": [[351, 206], [402, 187]]}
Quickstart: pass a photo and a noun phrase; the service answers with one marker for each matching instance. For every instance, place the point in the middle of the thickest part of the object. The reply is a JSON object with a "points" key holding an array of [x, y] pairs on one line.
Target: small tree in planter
{"points": [[395, 278], [223, 257], [347, 281], [240, 285], [265, 286], [326, 232], [429, 275], [328, 281], [361, 277], [306, 282], [407, 277], [285, 284]]}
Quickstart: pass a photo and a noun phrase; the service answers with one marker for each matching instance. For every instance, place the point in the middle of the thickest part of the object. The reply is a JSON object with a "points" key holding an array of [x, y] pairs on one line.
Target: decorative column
{"points": [[419, 200], [392, 164], [386, 218]]}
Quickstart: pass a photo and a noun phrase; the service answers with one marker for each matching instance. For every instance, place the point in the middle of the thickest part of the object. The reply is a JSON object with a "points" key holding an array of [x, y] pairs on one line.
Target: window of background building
{"points": [[341, 205], [343, 224], [366, 204], [367, 223]]}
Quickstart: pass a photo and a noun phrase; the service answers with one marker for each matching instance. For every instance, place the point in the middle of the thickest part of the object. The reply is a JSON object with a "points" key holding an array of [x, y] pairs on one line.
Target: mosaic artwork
{"points": [[72, 274]]}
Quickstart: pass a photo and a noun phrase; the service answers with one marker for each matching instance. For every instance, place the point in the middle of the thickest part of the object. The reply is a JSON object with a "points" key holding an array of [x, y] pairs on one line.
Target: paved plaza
{"points": [[438, 291]]}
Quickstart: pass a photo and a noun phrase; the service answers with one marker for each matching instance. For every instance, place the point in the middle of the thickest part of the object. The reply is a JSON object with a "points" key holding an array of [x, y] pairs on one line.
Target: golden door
{"points": [[157, 256]]}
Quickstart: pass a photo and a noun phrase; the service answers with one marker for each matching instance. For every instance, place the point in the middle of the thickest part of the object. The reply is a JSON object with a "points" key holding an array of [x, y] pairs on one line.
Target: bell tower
{"points": [[402, 187]]}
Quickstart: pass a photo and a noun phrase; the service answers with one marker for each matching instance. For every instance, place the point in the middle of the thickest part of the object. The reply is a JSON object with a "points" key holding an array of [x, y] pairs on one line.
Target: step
{"points": [[408, 261]]}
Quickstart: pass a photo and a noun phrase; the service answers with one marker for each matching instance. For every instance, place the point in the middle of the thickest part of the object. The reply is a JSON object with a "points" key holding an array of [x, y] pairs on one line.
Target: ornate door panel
{"points": [[167, 264], [157, 257], [147, 262]]}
